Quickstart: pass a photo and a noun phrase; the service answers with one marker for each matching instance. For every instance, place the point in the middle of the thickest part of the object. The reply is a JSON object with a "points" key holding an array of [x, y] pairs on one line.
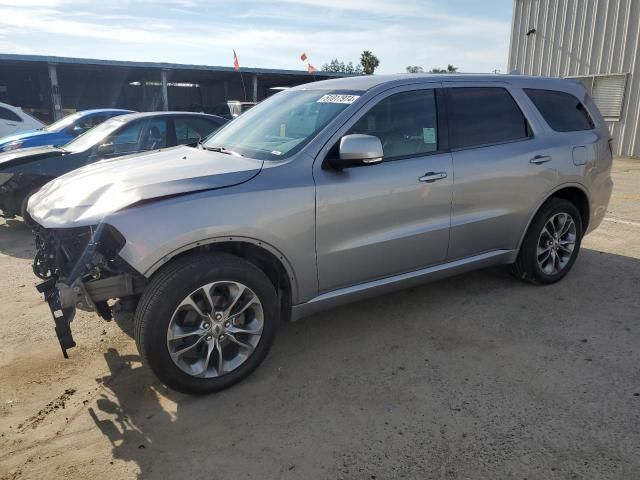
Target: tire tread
{"points": [[157, 289], [524, 267]]}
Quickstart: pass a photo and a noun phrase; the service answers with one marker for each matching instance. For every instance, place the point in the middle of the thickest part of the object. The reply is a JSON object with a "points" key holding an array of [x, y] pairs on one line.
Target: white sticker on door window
{"points": [[333, 98], [429, 135]]}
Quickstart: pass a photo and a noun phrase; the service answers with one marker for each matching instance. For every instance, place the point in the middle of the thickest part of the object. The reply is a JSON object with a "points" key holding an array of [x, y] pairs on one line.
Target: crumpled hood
{"points": [[85, 196], [16, 157]]}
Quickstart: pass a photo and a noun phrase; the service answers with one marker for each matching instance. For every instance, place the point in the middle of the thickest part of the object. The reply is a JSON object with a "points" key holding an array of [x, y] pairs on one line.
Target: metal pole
{"points": [[56, 101], [254, 88], [165, 93]]}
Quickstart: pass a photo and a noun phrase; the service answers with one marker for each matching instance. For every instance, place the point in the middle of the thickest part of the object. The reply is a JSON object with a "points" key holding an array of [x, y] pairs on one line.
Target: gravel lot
{"points": [[478, 376]]}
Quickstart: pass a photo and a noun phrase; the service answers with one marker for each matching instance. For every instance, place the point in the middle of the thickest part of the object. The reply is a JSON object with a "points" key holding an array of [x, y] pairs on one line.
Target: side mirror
{"points": [[357, 150], [106, 149]]}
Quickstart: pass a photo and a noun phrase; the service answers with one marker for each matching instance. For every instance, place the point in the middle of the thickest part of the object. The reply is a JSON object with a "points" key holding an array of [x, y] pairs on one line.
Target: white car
{"points": [[14, 120]]}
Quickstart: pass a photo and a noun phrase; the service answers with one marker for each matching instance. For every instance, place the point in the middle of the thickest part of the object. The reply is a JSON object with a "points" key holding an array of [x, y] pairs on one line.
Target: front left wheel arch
{"points": [[264, 256]]}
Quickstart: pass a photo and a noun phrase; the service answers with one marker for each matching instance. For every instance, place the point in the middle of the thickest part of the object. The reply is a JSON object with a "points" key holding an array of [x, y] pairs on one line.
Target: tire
{"points": [[26, 218], [532, 268], [158, 314]]}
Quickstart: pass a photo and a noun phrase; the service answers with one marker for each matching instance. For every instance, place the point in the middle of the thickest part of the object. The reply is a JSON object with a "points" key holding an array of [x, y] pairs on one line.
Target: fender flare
{"points": [[550, 194], [230, 239]]}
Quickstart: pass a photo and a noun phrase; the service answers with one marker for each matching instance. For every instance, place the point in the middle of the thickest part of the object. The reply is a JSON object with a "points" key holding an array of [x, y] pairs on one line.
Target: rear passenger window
{"points": [[189, 130], [6, 114], [406, 123], [562, 111], [484, 116]]}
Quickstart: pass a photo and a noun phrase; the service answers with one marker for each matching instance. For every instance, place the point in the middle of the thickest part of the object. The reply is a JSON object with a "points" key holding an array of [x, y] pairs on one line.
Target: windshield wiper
{"points": [[60, 147], [223, 150]]}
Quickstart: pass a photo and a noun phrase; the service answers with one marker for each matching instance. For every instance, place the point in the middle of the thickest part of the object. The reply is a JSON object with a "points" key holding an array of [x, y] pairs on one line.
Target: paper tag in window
{"points": [[276, 152], [429, 135], [332, 98]]}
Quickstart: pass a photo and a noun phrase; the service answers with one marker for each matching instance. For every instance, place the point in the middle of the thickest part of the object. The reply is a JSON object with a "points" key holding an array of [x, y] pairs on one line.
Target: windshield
{"points": [[93, 136], [282, 124], [63, 123]]}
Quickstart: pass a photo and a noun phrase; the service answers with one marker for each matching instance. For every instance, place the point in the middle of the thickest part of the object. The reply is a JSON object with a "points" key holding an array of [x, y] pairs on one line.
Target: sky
{"points": [[470, 34]]}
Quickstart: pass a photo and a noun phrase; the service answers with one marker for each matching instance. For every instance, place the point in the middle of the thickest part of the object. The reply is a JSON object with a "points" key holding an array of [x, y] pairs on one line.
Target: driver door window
{"points": [[84, 124], [139, 136], [127, 140], [405, 123]]}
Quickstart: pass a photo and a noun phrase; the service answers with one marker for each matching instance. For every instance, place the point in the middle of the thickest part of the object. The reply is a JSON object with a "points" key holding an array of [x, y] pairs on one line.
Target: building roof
{"points": [[156, 65]]}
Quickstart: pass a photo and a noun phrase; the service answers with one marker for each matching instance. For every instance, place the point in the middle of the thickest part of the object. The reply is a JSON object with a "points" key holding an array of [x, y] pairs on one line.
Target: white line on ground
{"points": [[619, 220]]}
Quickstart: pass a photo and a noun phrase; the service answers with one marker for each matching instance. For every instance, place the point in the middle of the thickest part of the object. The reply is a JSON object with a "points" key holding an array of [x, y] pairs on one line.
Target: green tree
{"points": [[414, 69], [369, 62], [338, 66], [450, 69]]}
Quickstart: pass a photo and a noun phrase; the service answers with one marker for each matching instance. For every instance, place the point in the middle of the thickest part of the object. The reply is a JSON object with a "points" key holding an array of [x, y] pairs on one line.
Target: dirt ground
{"points": [[478, 376]]}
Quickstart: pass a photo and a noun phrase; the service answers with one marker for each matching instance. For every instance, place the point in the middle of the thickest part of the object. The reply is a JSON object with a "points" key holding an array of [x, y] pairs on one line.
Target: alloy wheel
{"points": [[556, 243], [215, 329]]}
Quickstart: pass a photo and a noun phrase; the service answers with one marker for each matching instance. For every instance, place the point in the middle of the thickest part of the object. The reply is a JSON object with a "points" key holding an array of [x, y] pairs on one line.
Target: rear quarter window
{"points": [[6, 114], [562, 111]]}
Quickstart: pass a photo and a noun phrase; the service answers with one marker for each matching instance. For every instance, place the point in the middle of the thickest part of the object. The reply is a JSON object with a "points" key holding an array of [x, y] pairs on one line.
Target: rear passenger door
{"points": [[501, 164]]}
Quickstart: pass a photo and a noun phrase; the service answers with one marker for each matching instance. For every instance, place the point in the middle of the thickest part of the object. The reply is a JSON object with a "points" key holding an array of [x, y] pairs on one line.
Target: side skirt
{"points": [[382, 286]]}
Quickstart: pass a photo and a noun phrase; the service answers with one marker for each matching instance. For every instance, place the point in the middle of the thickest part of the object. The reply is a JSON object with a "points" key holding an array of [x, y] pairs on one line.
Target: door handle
{"points": [[540, 159], [431, 177]]}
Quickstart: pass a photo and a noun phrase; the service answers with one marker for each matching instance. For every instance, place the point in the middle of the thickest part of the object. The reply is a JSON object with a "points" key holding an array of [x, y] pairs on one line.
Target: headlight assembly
{"points": [[12, 146]]}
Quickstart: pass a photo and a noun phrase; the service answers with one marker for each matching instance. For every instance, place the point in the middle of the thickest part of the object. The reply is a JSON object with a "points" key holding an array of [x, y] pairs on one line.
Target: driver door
{"points": [[384, 219]]}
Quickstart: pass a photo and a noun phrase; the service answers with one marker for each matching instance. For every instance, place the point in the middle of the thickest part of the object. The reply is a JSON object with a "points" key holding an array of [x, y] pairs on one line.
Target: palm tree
{"points": [[450, 69], [369, 62]]}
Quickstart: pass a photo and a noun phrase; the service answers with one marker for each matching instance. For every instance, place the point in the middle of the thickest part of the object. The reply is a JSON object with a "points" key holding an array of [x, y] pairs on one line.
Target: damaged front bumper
{"points": [[63, 318], [81, 270]]}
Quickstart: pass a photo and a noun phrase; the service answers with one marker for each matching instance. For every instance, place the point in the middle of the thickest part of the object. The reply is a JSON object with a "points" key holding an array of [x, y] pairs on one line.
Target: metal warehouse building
{"points": [[595, 41], [50, 87]]}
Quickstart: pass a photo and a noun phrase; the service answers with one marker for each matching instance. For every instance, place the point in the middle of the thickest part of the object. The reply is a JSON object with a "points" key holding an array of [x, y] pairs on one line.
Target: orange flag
{"points": [[303, 57]]}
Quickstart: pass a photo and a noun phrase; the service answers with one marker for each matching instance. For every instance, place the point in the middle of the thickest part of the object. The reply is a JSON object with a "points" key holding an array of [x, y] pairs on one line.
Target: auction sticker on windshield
{"points": [[333, 98]]}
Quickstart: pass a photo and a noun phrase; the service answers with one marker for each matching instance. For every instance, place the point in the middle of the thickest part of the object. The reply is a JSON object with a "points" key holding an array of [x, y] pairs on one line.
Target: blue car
{"points": [[60, 132]]}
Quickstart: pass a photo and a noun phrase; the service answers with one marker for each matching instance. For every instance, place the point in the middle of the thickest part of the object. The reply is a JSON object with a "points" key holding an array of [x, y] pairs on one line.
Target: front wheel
{"points": [[206, 321], [26, 218], [551, 244]]}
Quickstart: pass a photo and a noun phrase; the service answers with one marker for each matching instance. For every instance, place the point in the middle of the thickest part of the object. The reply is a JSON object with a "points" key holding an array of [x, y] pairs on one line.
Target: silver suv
{"points": [[323, 194]]}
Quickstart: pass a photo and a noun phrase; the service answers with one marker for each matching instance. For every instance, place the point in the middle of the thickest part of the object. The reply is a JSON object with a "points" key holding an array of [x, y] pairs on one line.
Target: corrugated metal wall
{"points": [[583, 37]]}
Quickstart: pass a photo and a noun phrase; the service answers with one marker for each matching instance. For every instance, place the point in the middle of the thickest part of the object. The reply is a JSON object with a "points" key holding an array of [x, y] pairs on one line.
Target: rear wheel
{"points": [[551, 244], [206, 322]]}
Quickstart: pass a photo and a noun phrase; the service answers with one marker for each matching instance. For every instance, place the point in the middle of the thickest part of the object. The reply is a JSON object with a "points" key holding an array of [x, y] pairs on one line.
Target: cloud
{"points": [[264, 33], [30, 3]]}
